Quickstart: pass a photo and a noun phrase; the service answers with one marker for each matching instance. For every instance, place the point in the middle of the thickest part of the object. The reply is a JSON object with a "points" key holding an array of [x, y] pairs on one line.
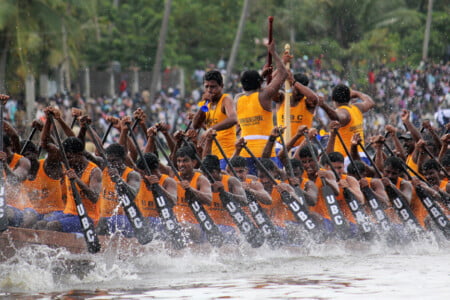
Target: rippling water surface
{"points": [[329, 271]]}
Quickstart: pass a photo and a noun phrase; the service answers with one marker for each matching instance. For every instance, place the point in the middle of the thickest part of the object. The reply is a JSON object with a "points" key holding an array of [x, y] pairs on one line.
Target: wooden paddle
{"points": [[213, 234], [252, 233], [337, 217], [165, 210], [259, 215], [86, 224]]}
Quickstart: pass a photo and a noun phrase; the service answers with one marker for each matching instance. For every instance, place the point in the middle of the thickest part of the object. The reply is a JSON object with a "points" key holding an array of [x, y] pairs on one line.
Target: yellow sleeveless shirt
{"points": [[226, 137], [256, 123], [356, 125], [300, 115]]}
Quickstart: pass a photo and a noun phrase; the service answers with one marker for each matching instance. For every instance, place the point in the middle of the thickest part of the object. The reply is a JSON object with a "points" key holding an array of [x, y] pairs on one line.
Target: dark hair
{"points": [[446, 159], [6, 141], [185, 151], [295, 163], [430, 164], [302, 78], [211, 162], [306, 152], [357, 165], [30, 146], [267, 163], [213, 75], [116, 149], [394, 162], [336, 157], [151, 159], [73, 145], [341, 93], [238, 162], [251, 80]]}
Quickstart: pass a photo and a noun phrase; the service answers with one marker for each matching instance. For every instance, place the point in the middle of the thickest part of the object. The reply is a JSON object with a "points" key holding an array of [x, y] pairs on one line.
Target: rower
{"points": [[198, 187], [112, 215], [145, 199], [88, 180], [278, 212], [42, 187], [231, 185], [344, 181]]}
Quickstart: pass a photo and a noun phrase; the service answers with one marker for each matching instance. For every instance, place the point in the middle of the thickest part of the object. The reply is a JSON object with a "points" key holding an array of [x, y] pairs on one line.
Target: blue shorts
{"points": [[120, 223], [252, 167], [229, 233], [158, 228], [17, 218], [70, 223], [52, 216]]}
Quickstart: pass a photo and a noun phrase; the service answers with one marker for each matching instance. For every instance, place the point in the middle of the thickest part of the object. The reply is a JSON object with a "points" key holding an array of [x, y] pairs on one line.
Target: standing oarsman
{"points": [[254, 108], [349, 115], [197, 185], [303, 102], [220, 115]]}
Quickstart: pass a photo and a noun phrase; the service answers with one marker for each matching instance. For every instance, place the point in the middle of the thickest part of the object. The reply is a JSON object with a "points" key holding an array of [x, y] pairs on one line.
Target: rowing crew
{"points": [[38, 193]]}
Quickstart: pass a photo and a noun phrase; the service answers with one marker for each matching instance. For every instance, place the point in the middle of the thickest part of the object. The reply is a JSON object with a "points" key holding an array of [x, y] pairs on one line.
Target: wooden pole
{"points": [[287, 100]]}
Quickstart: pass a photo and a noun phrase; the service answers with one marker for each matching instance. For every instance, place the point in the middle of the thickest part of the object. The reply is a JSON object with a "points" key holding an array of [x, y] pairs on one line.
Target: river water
{"points": [[336, 270]]}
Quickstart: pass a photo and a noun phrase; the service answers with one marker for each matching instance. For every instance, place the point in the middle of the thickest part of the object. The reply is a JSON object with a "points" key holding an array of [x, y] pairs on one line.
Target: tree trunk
{"points": [[3, 59], [159, 52], [236, 42]]}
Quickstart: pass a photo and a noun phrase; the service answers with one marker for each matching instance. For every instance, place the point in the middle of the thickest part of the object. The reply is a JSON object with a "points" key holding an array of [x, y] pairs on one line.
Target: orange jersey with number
{"points": [[108, 202], [90, 207], [256, 123], [356, 125], [300, 115], [226, 137], [182, 210], [145, 200], [43, 193]]}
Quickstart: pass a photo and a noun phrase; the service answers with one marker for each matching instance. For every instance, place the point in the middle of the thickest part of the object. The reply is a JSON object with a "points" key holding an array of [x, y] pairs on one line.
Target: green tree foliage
{"points": [[352, 35]]}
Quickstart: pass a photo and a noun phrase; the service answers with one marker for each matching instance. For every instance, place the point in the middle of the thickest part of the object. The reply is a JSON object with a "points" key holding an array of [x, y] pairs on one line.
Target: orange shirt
{"points": [[226, 137], [256, 123], [108, 202], [145, 200], [356, 125], [216, 210], [278, 212], [43, 193], [91, 208], [182, 210], [320, 207]]}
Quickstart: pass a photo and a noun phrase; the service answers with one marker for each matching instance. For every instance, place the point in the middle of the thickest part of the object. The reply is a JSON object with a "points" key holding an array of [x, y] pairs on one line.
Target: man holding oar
{"points": [[217, 112], [254, 108]]}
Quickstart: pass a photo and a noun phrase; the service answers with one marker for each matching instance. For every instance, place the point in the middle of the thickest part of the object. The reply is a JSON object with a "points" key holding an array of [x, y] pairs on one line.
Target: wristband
{"points": [[272, 139]]}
